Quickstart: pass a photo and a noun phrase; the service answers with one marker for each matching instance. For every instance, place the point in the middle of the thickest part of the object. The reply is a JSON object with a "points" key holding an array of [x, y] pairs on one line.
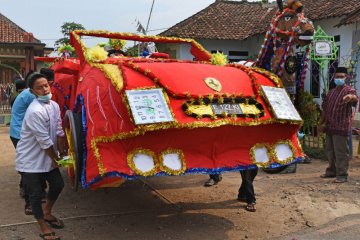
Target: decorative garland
{"points": [[272, 37], [252, 154], [272, 153], [196, 49], [131, 163], [168, 170], [292, 148], [113, 73], [251, 108]]}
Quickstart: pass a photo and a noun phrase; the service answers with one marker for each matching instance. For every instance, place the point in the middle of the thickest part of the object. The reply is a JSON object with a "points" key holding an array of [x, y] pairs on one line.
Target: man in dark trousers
{"points": [[246, 190], [336, 122]]}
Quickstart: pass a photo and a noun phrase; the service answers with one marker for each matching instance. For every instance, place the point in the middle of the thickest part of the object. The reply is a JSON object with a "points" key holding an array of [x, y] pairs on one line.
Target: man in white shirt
{"points": [[37, 151]]}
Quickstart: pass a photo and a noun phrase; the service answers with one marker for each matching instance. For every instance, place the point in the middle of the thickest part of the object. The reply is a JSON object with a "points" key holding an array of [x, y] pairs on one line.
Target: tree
{"points": [[66, 28]]}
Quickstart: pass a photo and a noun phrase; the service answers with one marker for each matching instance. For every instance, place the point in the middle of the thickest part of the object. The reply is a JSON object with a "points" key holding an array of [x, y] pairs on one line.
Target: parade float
{"points": [[133, 117]]}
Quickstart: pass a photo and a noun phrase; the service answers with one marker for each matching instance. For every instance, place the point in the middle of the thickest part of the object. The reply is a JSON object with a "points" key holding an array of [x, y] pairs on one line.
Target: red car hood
{"points": [[189, 78]]}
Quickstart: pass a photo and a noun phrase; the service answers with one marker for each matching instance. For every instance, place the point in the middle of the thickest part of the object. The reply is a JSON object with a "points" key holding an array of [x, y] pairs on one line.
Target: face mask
{"points": [[339, 81], [45, 99]]}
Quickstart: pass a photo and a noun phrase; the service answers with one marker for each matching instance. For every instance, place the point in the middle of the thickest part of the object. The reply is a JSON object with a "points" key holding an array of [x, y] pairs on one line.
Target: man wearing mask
{"points": [[37, 153], [336, 123]]}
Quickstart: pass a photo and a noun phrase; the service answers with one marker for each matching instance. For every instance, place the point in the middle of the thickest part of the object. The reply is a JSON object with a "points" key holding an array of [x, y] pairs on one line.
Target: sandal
{"points": [[50, 234], [55, 223], [28, 210], [251, 207]]}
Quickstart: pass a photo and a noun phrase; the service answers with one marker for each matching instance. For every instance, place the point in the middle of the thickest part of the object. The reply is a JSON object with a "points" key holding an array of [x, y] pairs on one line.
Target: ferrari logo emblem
{"points": [[213, 83]]}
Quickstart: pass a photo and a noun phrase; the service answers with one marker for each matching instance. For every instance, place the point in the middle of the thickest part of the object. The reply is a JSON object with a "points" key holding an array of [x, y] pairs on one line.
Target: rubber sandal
{"points": [[55, 223], [250, 207], [51, 234]]}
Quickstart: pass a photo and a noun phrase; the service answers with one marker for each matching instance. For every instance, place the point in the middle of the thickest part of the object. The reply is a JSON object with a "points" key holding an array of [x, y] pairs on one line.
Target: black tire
{"points": [[73, 122]]}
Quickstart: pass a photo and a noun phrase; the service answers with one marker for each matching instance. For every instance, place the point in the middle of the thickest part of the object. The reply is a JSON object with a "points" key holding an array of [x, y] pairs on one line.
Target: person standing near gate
{"points": [[336, 123]]}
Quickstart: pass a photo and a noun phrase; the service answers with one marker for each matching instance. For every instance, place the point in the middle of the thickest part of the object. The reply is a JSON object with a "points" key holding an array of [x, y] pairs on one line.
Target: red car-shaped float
{"points": [[136, 117]]}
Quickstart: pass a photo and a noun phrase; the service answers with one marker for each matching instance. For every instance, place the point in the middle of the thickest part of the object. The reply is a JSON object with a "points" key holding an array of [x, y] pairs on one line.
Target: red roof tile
{"points": [[10, 32], [224, 20], [351, 18], [238, 20]]}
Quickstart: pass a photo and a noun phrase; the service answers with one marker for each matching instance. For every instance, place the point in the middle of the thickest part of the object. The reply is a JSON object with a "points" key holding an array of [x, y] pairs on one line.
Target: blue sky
{"points": [[44, 17]]}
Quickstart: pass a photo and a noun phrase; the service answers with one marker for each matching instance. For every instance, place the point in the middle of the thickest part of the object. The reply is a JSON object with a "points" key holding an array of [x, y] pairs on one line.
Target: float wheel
{"points": [[73, 131]]}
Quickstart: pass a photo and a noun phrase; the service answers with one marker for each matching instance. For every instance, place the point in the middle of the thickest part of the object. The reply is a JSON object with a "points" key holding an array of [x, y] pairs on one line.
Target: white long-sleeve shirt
{"points": [[39, 131]]}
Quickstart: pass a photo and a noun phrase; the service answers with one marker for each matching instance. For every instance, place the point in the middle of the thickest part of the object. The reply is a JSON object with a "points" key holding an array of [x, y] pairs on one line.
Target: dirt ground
{"points": [[181, 208]]}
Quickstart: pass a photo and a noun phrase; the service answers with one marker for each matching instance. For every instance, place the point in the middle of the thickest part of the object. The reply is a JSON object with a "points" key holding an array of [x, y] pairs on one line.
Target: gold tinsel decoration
{"points": [[130, 160], [169, 170]]}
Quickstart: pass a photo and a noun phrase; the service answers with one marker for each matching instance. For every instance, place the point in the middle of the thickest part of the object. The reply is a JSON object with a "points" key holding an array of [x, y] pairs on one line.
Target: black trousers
{"points": [[33, 184], [216, 177], [21, 185], [246, 190], [14, 141]]}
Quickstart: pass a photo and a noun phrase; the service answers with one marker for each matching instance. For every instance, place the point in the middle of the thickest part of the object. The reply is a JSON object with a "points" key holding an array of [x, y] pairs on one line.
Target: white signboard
{"points": [[323, 48], [280, 102], [148, 106]]}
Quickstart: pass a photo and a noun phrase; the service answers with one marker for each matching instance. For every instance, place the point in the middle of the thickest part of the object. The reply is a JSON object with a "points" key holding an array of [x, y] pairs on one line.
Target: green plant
{"points": [[318, 153], [308, 110]]}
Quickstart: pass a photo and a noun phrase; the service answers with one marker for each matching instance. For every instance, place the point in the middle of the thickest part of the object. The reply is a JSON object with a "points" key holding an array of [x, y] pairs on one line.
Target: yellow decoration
{"points": [[289, 159], [213, 83], [100, 163], [219, 59], [249, 109], [272, 153], [131, 163], [71, 151], [117, 43], [113, 73], [167, 169], [66, 47], [252, 154], [199, 110], [96, 54]]}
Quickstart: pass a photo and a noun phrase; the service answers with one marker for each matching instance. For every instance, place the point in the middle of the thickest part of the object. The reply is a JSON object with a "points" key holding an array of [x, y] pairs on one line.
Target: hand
{"points": [[54, 163], [349, 97]]}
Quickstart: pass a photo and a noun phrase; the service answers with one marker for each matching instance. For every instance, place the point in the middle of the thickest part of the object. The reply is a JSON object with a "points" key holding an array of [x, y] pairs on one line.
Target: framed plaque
{"points": [[281, 104], [323, 48], [148, 106]]}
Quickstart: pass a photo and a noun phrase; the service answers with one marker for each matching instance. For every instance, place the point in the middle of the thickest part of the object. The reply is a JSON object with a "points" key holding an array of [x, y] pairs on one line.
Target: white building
{"points": [[237, 29]]}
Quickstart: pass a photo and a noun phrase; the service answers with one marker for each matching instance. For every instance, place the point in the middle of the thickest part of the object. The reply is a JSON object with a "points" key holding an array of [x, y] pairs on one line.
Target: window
{"points": [[315, 79], [337, 38], [235, 56]]}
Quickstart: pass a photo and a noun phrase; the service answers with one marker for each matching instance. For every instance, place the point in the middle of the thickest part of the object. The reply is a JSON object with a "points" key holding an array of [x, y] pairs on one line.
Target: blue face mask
{"points": [[339, 81], [45, 99]]}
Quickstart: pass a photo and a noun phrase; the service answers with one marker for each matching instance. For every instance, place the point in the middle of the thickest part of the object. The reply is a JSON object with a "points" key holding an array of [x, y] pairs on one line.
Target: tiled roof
{"points": [[238, 20], [224, 20], [12, 33], [351, 18], [321, 9]]}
